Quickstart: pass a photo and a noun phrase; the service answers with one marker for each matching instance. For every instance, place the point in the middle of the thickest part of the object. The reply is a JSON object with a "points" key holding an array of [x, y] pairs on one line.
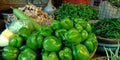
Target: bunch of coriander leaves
{"points": [[76, 11]]}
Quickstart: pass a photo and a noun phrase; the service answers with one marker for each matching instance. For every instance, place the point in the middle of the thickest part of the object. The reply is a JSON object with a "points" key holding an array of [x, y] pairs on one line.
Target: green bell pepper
{"points": [[27, 54], [10, 53], [49, 56], [60, 33], [80, 52], [51, 43], [24, 32], [55, 24], [66, 23], [45, 30], [89, 44], [34, 41], [73, 36], [84, 35], [83, 23], [78, 27], [76, 20], [92, 37], [88, 28], [15, 41], [65, 54]]}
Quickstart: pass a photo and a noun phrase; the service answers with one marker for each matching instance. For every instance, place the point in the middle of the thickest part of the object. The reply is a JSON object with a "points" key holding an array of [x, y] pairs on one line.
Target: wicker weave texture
{"points": [[107, 10]]}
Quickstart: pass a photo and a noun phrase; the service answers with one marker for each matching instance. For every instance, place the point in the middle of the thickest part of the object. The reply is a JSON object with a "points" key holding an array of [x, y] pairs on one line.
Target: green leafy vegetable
{"points": [[76, 11]]}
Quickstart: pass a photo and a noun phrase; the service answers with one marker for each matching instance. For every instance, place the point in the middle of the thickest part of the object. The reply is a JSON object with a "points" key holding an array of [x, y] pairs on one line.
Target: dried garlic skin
{"points": [[37, 14]]}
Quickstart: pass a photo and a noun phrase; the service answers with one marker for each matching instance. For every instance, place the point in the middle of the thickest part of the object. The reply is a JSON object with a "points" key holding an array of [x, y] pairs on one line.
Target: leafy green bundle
{"points": [[76, 11]]}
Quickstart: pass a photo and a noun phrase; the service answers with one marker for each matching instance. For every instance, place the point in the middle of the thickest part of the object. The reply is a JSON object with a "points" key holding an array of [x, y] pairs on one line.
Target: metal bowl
{"points": [[101, 46]]}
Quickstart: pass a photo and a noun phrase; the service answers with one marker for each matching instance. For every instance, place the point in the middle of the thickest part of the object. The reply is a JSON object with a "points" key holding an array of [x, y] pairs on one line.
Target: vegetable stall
{"points": [[34, 34], [63, 33], [51, 42]]}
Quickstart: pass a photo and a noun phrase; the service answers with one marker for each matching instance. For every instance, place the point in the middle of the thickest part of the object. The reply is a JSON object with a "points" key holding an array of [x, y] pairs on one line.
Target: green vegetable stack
{"points": [[63, 40]]}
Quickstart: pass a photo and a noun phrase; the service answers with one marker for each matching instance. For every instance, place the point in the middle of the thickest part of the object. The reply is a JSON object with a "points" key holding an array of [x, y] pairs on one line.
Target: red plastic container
{"points": [[78, 1]]}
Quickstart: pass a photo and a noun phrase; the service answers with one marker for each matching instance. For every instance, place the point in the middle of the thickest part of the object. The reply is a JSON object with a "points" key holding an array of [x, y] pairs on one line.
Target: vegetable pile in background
{"points": [[108, 28], [76, 11], [63, 40]]}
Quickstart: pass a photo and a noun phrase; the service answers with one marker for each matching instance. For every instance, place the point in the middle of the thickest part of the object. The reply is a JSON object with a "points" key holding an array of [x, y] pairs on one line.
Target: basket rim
{"points": [[107, 40], [93, 53]]}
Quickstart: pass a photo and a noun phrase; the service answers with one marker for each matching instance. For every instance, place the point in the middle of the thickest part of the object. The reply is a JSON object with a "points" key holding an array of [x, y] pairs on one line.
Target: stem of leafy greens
{"points": [[112, 56], [106, 53]]}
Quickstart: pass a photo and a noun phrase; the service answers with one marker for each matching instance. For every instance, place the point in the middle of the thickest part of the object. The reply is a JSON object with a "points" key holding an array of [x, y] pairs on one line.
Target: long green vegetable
{"points": [[19, 14], [108, 28]]}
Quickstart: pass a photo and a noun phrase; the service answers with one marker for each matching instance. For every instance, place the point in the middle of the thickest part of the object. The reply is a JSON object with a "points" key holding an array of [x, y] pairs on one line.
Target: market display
{"points": [[68, 31], [64, 39]]}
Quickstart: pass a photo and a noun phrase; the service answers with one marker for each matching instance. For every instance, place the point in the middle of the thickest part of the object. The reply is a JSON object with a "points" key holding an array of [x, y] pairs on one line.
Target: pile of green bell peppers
{"points": [[64, 39]]}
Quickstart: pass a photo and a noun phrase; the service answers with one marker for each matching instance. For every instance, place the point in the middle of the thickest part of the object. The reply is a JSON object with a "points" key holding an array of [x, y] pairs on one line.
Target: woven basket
{"points": [[107, 10], [93, 53], [107, 40]]}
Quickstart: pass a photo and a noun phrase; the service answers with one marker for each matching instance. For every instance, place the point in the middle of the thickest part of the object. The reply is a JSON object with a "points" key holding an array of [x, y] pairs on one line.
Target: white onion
{"points": [[3, 41]]}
